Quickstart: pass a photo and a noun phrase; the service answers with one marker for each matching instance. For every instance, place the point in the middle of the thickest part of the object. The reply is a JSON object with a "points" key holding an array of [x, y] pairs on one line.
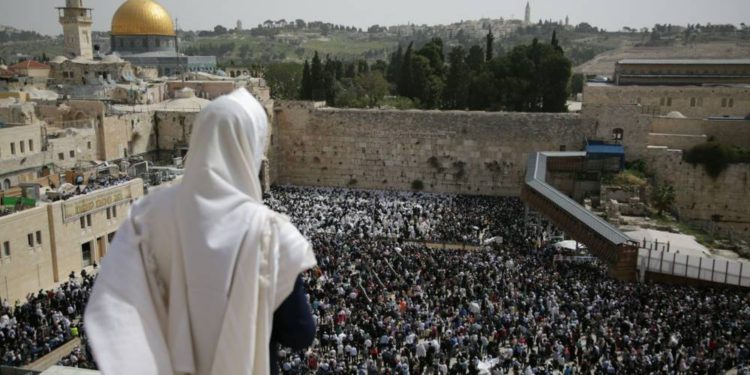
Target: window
{"points": [[114, 211], [692, 102], [110, 237], [38, 237], [72, 153], [88, 144], [61, 156], [563, 148], [731, 102], [617, 134], [31, 145], [723, 102], [109, 213], [6, 248], [88, 219], [669, 102], [30, 239], [83, 222], [661, 101], [21, 145], [12, 148], [86, 254]]}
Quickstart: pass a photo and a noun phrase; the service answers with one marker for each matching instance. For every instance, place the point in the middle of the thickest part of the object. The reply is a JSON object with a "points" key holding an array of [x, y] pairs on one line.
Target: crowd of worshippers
{"points": [[46, 320], [396, 215], [383, 305], [80, 357]]}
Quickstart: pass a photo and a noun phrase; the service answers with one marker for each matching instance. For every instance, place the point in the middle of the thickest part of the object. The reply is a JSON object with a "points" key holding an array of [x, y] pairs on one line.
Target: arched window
{"points": [[6, 184], [617, 134]]}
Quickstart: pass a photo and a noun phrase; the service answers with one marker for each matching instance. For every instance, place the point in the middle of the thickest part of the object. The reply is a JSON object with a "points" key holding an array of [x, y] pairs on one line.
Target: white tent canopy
{"points": [[569, 245]]}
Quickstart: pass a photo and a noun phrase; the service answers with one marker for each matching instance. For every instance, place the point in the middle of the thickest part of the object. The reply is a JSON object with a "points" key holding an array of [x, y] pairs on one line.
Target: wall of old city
{"points": [[721, 202], [448, 151], [691, 101], [174, 128], [127, 134]]}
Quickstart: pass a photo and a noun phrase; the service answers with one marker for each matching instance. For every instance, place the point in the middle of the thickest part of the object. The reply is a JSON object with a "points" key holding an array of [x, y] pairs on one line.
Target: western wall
{"points": [[486, 152], [447, 151]]}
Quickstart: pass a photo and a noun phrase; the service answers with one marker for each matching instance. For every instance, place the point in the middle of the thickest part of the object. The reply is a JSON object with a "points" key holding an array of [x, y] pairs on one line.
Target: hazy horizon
{"points": [[41, 16]]}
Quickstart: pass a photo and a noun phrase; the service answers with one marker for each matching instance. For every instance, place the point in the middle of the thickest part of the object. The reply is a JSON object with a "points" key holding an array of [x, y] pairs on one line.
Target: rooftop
{"points": [[29, 64], [684, 62]]}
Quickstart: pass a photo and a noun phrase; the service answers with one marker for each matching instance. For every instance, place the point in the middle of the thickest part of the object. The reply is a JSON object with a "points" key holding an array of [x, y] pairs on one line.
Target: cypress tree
{"points": [[405, 76], [394, 68], [317, 79], [488, 47], [306, 89]]}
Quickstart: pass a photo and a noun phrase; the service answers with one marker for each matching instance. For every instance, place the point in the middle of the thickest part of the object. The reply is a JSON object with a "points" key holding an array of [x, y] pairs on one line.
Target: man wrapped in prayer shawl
{"points": [[196, 272]]}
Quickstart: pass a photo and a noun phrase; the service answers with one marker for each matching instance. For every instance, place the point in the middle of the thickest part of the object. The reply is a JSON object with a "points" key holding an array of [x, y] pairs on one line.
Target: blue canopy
{"points": [[600, 150]]}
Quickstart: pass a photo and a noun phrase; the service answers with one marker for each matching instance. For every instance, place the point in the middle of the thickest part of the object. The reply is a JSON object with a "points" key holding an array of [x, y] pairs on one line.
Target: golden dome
{"points": [[142, 17]]}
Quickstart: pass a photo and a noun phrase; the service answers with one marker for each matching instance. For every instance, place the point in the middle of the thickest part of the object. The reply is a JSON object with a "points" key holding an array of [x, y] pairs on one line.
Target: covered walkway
{"points": [[601, 238]]}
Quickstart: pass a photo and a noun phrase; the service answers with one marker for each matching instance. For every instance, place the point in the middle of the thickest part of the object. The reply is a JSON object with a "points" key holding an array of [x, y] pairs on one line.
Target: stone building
{"points": [[40, 246], [682, 71], [80, 71]]}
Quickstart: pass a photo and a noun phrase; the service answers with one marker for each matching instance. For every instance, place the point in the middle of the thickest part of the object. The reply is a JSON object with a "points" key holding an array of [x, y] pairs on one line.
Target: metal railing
{"points": [[722, 271]]}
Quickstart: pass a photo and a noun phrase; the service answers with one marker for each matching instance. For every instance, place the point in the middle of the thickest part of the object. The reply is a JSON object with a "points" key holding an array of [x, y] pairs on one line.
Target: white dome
{"points": [[675, 114], [112, 58]]}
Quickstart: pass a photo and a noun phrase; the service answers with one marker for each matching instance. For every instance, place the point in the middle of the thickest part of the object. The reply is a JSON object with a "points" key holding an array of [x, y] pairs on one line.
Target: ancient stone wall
{"points": [[174, 128], [445, 151], [721, 202], [128, 134]]}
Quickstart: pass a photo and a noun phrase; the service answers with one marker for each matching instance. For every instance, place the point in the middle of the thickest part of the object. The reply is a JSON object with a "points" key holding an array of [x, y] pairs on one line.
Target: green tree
{"points": [[317, 79], [405, 83], [427, 86], [306, 85], [663, 198], [394, 68], [475, 59], [285, 79], [374, 87], [576, 83], [433, 51], [488, 45], [458, 80]]}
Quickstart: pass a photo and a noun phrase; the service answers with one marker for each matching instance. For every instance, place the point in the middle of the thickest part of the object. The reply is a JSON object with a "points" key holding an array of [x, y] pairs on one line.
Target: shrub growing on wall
{"points": [[417, 185], [716, 157]]}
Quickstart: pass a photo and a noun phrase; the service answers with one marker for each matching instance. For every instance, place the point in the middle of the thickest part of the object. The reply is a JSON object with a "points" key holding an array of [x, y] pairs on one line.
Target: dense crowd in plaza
{"points": [[386, 303], [45, 321]]}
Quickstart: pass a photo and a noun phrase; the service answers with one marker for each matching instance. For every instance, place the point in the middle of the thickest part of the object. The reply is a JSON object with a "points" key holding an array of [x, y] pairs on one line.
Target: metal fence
{"points": [[721, 271]]}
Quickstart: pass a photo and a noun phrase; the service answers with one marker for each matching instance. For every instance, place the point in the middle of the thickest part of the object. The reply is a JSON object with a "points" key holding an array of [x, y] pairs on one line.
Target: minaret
{"points": [[527, 19], [76, 22], [567, 21]]}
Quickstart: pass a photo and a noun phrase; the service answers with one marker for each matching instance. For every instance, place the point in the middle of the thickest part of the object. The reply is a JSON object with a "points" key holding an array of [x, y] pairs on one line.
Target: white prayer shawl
{"points": [[194, 274]]}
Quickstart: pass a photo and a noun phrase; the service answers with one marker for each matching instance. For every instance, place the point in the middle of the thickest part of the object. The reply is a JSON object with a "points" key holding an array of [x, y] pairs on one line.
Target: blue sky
{"points": [[41, 16]]}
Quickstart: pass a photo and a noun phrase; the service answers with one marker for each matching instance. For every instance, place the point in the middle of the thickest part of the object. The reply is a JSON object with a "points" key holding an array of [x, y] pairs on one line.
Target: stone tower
{"points": [[76, 23], [527, 18]]}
